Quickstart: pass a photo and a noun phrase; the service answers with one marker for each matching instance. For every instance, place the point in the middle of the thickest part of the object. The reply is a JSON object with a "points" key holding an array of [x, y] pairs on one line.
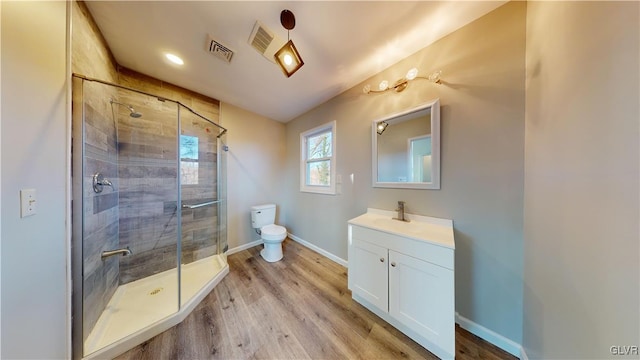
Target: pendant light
{"points": [[288, 57]]}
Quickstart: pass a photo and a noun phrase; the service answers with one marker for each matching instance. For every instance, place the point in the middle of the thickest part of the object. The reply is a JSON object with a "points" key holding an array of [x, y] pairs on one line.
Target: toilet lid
{"points": [[273, 230]]}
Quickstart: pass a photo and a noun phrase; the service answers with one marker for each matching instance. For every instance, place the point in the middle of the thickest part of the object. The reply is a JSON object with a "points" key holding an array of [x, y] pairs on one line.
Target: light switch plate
{"points": [[27, 202]]}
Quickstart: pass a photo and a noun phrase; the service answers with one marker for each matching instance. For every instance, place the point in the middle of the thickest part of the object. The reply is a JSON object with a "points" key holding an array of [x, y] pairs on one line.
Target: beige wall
{"points": [[581, 253], [35, 291], [255, 162], [482, 115]]}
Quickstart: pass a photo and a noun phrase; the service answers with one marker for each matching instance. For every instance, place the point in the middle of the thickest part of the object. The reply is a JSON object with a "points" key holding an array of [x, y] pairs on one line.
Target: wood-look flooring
{"points": [[297, 308]]}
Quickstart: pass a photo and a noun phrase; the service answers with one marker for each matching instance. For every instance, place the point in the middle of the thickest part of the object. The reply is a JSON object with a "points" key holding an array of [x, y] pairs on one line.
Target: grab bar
{"points": [[195, 206]]}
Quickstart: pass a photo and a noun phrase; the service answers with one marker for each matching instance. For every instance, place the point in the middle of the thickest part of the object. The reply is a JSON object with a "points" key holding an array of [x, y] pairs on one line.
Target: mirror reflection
{"points": [[406, 149]]}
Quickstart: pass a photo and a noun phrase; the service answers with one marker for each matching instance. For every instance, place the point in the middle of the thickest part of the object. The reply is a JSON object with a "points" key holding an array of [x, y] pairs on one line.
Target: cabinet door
{"points": [[421, 296], [370, 276]]}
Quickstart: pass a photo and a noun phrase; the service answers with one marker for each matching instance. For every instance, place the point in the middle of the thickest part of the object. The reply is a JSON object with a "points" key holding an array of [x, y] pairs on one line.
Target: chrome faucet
{"points": [[400, 211], [124, 251], [99, 182]]}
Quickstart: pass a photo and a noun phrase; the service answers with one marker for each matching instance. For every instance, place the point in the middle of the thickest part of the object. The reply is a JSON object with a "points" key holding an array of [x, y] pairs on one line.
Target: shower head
{"points": [[133, 114]]}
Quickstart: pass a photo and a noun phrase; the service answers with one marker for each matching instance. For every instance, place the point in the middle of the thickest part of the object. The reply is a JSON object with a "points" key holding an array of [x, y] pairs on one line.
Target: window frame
{"points": [[304, 151]]}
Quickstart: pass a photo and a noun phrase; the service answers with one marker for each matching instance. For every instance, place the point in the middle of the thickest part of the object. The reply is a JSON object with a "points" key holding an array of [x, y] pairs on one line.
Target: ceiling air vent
{"points": [[219, 50], [265, 41]]}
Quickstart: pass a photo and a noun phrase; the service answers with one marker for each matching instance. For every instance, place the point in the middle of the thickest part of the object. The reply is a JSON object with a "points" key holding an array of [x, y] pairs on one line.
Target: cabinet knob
{"points": [[381, 259], [393, 264]]}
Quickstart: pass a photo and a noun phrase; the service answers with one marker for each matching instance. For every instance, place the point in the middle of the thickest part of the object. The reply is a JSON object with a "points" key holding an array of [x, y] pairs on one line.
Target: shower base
{"points": [[144, 308]]}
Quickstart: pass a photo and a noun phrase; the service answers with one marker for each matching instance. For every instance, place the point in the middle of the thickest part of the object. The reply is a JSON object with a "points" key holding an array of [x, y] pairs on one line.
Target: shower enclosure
{"points": [[149, 214]]}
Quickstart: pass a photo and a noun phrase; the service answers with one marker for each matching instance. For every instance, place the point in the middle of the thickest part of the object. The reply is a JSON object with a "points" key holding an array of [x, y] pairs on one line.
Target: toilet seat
{"points": [[273, 232]]}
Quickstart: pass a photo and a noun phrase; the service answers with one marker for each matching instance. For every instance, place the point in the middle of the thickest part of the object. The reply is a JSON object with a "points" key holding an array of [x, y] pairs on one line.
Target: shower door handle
{"points": [[195, 206]]}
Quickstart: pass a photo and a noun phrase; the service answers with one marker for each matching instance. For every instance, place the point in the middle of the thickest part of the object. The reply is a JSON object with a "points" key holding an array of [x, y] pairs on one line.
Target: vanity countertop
{"points": [[423, 228]]}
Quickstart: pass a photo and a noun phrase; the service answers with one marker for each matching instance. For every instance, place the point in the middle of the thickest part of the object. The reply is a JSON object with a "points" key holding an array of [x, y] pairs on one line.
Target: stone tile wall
{"points": [[91, 57], [148, 170], [140, 157], [200, 234], [100, 225]]}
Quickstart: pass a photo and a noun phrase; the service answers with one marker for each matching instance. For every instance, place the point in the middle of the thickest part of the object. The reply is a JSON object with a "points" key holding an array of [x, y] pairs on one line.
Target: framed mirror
{"points": [[406, 148]]}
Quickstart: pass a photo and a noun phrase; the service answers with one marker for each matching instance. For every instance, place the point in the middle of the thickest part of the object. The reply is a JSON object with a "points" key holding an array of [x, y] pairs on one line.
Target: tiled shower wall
{"points": [[100, 210], [200, 233], [148, 170], [141, 161], [91, 57]]}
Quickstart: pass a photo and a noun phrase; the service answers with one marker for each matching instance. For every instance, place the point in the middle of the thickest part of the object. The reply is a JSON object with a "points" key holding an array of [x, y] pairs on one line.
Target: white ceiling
{"points": [[341, 42]]}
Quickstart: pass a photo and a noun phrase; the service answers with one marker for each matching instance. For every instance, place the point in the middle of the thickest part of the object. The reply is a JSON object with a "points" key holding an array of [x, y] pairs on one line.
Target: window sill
{"points": [[323, 191]]}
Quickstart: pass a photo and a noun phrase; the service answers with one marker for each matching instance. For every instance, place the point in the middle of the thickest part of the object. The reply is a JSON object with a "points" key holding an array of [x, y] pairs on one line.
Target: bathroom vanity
{"points": [[404, 273]]}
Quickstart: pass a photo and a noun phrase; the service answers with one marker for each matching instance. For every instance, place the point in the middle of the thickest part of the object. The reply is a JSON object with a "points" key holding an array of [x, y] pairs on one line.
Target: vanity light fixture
{"points": [[381, 127], [288, 57], [402, 83]]}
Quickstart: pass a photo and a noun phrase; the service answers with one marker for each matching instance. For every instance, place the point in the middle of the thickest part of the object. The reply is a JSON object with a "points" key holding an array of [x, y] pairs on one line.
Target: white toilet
{"points": [[262, 219]]}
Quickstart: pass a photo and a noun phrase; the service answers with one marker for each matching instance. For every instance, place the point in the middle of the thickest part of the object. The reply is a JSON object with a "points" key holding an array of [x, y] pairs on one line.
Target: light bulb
{"points": [[435, 77], [384, 84], [412, 73], [288, 59], [174, 59]]}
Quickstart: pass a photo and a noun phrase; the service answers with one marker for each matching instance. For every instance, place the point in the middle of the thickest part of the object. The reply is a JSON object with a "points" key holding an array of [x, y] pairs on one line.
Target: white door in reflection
{"points": [[420, 158]]}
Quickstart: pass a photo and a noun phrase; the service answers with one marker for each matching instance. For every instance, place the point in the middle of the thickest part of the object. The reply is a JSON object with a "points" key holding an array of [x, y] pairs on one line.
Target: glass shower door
{"points": [[200, 199], [149, 213], [129, 227], [223, 244]]}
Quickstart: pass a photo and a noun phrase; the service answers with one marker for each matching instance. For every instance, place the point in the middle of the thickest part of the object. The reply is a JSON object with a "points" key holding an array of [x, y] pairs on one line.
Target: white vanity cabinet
{"points": [[404, 273], [371, 279]]}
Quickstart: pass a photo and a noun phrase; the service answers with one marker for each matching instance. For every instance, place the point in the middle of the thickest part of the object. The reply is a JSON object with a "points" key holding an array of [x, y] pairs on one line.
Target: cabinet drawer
{"points": [[419, 249]]}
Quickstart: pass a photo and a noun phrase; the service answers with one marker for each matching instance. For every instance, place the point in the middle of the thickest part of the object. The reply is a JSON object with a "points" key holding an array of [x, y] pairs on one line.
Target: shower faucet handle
{"points": [[99, 182]]}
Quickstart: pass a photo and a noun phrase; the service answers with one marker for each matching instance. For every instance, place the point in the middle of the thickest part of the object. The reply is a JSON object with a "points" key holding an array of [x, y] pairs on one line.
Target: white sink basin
{"points": [[394, 225], [424, 228]]}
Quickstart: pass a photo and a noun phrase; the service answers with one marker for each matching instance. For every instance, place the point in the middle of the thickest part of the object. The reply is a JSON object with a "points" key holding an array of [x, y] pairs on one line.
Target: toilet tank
{"points": [[262, 215]]}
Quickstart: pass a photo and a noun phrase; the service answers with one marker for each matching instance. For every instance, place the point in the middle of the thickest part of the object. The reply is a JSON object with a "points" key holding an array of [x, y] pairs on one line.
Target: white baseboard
{"points": [[496, 339], [244, 247], [322, 252]]}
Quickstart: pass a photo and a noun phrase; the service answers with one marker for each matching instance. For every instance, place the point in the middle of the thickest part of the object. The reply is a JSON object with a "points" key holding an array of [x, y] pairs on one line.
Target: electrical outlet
{"points": [[27, 202]]}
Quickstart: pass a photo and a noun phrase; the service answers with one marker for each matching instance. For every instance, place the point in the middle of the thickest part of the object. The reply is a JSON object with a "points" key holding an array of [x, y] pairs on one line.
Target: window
{"points": [[317, 160], [188, 160]]}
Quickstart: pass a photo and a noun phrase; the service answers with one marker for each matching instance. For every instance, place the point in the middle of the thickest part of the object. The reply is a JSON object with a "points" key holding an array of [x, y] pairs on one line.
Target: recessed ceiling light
{"points": [[174, 59]]}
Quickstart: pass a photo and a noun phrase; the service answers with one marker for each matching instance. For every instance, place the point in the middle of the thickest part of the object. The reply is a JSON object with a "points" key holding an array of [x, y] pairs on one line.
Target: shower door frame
{"points": [[77, 276]]}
